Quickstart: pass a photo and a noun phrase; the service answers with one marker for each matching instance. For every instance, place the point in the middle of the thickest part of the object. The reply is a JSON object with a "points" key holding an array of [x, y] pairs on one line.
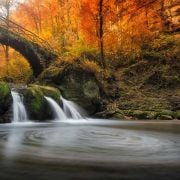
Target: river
{"points": [[90, 149]]}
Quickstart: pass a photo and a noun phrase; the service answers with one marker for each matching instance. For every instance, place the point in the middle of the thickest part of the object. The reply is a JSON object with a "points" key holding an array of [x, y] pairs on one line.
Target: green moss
{"points": [[164, 117], [5, 100], [36, 103], [47, 91], [119, 115], [4, 89], [80, 86], [165, 113], [140, 114], [177, 114], [50, 74], [35, 97]]}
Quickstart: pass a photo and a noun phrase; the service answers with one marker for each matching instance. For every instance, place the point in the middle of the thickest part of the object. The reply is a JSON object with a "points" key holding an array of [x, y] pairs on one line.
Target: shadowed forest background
{"points": [[130, 46]]}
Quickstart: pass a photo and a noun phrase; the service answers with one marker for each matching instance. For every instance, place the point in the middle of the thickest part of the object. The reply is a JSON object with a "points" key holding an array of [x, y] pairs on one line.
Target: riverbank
{"points": [[131, 103]]}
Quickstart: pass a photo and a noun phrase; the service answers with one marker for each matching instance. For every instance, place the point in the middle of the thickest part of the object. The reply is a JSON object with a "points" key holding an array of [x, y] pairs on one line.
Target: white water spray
{"points": [[58, 112], [19, 111], [72, 110]]}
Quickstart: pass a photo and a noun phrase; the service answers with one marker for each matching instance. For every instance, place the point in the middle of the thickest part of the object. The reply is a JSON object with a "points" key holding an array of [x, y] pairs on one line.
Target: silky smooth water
{"points": [[57, 110], [91, 149], [19, 110], [72, 110]]}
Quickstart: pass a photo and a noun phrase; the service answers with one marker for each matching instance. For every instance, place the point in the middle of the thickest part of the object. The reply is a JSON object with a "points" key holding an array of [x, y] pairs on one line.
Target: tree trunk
{"points": [[7, 24], [101, 33]]}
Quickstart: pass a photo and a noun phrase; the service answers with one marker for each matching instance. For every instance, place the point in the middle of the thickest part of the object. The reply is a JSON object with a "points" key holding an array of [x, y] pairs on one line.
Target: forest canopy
{"points": [[110, 33]]}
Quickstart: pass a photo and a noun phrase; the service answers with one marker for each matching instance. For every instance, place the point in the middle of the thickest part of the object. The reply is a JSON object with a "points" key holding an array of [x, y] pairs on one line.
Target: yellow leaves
{"points": [[17, 69], [91, 66], [80, 48]]}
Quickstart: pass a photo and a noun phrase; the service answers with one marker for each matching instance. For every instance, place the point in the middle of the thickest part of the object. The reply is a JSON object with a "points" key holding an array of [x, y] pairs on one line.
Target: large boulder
{"points": [[82, 87], [36, 105], [5, 102], [77, 84]]}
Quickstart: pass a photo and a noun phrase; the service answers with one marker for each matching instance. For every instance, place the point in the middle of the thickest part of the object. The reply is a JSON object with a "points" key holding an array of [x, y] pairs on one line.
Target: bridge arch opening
{"points": [[16, 68], [37, 56]]}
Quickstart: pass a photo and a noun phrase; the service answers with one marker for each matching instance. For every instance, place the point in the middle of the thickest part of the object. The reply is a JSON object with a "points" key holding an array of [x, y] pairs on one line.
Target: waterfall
{"points": [[19, 111], [58, 112], [72, 110]]}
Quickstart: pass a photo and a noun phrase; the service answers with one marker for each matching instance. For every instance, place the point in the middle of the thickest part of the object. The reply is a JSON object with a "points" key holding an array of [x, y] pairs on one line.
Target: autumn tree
{"points": [[6, 6], [53, 20], [96, 18], [109, 26]]}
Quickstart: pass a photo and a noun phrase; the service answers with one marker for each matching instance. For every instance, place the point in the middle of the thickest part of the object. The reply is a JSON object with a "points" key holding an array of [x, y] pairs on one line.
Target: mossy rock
{"points": [[110, 115], [82, 87], [50, 75], [118, 115], [36, 104], [139, 114], [90, 89], [47, 91], [164, 117], [5, 99], [165, 114], [76, 82], [177, 114]]}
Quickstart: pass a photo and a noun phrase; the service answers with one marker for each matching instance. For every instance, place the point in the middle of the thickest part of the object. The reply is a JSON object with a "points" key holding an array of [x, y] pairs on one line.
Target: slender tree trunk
{"points": [[101, 33], [7, 24]]}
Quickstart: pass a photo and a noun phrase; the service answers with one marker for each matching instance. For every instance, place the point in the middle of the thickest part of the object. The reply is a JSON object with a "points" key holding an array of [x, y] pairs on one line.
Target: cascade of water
{"points": [[19, 111], [58, 112], [72, 110]]}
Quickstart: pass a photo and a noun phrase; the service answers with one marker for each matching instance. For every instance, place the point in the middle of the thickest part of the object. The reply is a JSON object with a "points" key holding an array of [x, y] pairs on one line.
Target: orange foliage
{"points": [[65, 23], [16, 69]]}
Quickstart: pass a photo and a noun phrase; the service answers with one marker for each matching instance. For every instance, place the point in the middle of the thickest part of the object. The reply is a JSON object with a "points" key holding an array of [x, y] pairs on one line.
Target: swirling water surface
{"points": [[96, 143]]}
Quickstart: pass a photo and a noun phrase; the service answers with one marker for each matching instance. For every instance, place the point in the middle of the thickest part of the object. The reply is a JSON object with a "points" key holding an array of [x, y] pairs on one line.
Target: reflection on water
{"points": [[14, 139], [92, 141], [13, 143]]}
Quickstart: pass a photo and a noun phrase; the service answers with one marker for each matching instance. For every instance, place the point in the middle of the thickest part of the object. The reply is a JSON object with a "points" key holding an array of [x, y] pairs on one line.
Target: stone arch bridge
{"points": [[36, 50]]}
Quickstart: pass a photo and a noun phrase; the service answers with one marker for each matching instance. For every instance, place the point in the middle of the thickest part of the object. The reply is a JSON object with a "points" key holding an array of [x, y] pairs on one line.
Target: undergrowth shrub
{"points": [[160, 49]]}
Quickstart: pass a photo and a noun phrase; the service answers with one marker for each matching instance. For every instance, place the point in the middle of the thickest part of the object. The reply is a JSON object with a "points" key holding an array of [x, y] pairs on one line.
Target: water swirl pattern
{"points": [[90, 140]]}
